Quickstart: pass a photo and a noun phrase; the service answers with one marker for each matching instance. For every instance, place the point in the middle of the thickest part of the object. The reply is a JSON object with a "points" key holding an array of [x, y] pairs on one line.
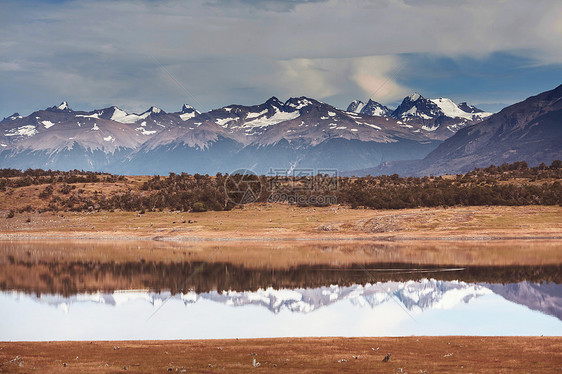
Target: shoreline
{"points": [[374, 239]]}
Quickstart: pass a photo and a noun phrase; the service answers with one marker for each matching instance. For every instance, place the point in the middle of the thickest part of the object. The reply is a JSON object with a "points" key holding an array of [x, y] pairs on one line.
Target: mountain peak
{"points": [[355, 106], [186, 108], [416, 106], [414, 97], [469, 108], [155, 110], [372, 108], [188, 112], [63, 106], [274, 101], [300, 102]]}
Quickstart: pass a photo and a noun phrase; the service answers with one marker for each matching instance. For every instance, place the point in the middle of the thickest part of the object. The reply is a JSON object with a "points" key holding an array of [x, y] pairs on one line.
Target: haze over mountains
{"points": [[298, 133]]}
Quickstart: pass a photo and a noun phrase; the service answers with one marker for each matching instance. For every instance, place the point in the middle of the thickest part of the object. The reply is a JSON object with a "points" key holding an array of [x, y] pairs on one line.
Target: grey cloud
{"points": [[269, 5], [118, 52]]}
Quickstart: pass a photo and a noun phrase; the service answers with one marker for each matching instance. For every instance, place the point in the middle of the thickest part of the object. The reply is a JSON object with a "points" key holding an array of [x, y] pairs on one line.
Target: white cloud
{"points": [[309, 77], [376, 76], [366, 77]]}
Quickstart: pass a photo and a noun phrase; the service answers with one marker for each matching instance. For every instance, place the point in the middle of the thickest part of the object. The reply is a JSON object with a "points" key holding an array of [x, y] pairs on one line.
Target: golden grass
{"points": [[279, 221]]}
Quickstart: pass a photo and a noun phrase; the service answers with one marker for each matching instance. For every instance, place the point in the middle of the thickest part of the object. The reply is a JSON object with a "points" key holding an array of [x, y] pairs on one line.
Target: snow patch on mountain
{"points": [[27, 130], [144, 131], [368, 124], [430, 128], [186, 116], [413, 112], [299, 103], [95, 115], [450, 109], [278, 117], [47, 124], [251, 115], [379, 112], [124, 117], [224, 121]]}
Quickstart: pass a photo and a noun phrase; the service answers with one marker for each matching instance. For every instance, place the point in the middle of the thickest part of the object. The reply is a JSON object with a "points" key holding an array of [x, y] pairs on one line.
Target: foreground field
{"points": [[285, 222], [305, 355]]}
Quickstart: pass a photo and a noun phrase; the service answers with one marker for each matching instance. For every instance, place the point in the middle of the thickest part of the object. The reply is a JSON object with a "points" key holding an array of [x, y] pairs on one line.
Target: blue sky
{"points": [[209, 54]]}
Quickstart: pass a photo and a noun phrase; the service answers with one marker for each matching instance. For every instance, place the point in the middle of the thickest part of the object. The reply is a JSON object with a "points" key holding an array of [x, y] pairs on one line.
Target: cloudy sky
{"points": [[212, 53]]}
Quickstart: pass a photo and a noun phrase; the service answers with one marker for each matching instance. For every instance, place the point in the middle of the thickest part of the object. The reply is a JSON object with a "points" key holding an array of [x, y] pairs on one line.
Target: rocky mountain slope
{"points": [[529, 131]]}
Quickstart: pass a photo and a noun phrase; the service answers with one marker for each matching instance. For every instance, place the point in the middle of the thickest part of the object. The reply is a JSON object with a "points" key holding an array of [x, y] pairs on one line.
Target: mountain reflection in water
{"points": [[424, 307], [115, 291]]}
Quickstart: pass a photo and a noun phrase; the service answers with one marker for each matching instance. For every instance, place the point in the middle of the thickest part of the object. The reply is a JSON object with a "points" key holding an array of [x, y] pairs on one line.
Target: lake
{"points": [[104, 291]]}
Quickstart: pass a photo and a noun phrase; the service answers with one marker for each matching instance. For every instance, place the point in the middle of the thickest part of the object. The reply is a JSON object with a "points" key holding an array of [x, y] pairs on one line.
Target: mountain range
{"points": [[298, 133], [441, 117], [529, 131]]}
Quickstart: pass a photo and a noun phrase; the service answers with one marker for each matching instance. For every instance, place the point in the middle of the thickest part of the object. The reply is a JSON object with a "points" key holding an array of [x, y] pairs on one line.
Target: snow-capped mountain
{"points": [[188, 112], [463, 110], [63, 106], [438, 118], [416, 106], [530, 130], [441, 116], [372, 108], [300, 132], [61, 138]]}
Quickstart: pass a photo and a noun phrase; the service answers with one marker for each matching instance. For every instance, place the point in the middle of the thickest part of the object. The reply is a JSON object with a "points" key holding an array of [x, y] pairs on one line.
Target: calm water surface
{"points": [[58, 300]]}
